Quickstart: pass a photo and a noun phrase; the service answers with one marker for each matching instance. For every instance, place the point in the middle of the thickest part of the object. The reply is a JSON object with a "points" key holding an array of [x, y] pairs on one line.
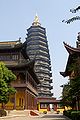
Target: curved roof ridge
{"points": [[70, 49]]}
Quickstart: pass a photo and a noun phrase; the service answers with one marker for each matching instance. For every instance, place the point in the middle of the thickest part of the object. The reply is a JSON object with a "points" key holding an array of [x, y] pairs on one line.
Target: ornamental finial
{"points": [[36, 21]]}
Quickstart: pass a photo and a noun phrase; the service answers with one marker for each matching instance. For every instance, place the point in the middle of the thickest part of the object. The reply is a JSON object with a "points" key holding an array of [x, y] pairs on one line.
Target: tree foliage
{"points": [[71, 91], [6, 77], [74, 17], [67, 98]]}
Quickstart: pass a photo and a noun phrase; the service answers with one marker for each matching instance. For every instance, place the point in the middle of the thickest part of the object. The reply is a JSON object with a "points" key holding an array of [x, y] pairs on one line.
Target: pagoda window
{"points": [[14, 57]]}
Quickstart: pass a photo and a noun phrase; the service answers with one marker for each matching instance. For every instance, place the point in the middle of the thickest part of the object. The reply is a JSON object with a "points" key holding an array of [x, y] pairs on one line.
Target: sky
{"points": [[16, 16]]}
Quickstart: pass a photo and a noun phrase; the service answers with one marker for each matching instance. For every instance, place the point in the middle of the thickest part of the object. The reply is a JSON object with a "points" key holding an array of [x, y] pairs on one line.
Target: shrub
{"points": [[67, 113], [75, 115], [3, 113]]}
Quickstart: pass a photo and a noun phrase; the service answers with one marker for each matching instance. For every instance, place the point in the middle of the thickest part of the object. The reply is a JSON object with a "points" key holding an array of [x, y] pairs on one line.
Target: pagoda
{"points": [[37, 48]]}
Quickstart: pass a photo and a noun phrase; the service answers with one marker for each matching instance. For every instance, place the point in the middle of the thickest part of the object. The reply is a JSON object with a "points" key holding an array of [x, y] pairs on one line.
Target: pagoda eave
{"points": [[65, 74]]}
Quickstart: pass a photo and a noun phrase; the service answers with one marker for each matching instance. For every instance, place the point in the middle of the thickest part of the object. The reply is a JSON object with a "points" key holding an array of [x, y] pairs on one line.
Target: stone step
{"points": [[19, 112]]}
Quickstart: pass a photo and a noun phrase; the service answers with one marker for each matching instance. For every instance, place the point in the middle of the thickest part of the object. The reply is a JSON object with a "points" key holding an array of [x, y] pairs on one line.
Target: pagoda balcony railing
{"points": [[37, 48], [32, 47], [44, 90], [43, 43], [36, 38], [32, 43], [36, 34], [42, 64], [43, 39], [46, 79], [42, 71], [44, 85], [36, 28], [42, 75], [43, 54], [45, 93], [43, 59], [43, 49], [47, 86]]}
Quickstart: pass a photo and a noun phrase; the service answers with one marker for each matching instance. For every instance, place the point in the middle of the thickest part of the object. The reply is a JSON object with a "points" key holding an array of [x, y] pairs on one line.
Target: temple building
{"points": [[14, 55], [73, 61], [37, 48], [30, 62]]}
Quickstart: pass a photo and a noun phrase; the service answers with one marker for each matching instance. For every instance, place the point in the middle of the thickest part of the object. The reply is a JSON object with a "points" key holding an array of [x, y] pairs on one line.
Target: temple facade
{"points": [[37, 48], [13, 54]]}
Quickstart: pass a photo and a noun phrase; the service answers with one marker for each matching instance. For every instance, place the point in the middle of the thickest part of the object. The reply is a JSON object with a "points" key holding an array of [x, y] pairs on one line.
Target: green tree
{"points": [[67, 98], [71, 91], [6, 77], [74, 17]]}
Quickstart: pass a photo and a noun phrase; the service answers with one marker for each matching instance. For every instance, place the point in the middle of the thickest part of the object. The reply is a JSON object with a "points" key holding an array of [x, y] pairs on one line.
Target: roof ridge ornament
{"points": [[36, 21]]}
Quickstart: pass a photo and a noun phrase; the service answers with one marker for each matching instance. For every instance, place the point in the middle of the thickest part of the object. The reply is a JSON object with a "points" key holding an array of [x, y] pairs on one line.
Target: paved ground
{"points": [[55, 117], [44, 117]]}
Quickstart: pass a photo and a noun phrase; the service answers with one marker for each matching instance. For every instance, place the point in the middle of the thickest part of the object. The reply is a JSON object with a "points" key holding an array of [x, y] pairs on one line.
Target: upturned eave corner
{"points": [[63, 74]]}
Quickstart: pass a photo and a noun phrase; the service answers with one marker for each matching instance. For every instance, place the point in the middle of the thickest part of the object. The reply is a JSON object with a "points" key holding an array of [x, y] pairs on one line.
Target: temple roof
{"points": [[36, 21], [14, 46], [10, 43], [7, 45], [71, 50], [72, 53], [67, 72]]}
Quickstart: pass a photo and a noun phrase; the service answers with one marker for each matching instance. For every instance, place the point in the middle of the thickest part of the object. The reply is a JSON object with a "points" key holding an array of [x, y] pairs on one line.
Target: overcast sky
{"points": [[17, 15]]}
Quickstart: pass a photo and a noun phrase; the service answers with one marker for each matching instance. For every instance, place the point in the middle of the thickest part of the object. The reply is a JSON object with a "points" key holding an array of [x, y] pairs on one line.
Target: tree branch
{"points": [[75, 10], [71, 19]]}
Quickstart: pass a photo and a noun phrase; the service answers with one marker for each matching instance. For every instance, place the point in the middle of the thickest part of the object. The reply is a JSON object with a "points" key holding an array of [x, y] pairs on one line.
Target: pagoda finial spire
{"points": [[36, 21]]}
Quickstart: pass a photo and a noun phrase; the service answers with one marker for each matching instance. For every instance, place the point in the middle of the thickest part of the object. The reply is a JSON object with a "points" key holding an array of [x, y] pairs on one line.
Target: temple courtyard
{"points": [[23, 116]]}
